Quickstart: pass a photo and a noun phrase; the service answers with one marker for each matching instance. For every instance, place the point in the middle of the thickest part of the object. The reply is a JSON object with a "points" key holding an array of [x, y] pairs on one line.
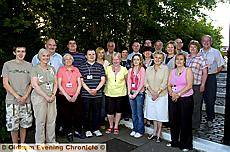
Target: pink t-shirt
{"points": [[134, 81], [69, 79], [179, 82]]}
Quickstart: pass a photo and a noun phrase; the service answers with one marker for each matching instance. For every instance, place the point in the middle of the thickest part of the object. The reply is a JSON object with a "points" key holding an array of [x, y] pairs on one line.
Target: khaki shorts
{"points": [[18, 115]]}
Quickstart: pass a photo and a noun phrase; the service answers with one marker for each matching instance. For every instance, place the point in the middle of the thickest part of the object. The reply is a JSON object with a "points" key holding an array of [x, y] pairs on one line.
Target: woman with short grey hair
{"points": [[43, 98]]}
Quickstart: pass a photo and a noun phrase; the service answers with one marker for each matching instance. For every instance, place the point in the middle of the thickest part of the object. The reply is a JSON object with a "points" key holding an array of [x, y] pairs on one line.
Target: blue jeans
{"points": [[137, 105]]}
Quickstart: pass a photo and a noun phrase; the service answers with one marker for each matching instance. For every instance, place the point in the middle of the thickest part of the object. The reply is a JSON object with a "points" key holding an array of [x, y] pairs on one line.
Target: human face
{"points": [[111, 47], [72, 46], [206, 42], [45, 57], [136, 60], [148, 43], [136, 46], [193, 49], [170, 49], [179, 44], [158, 46], [116, 60], [101, 54], [68, 60], [91, 56], [124, 54], [51, 46], [147, 54], [180, 61], [20, 53], [158, 59]]}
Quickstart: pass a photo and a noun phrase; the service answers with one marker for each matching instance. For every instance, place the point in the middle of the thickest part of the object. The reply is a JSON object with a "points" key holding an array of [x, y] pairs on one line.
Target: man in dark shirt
{"points": [[93, 78], [78, 57]]}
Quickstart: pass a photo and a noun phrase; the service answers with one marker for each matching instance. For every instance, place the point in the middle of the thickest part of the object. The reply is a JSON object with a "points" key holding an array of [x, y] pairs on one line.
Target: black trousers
{"points": [[210, 96], [92, 113], [180, 119], [72, 114]]}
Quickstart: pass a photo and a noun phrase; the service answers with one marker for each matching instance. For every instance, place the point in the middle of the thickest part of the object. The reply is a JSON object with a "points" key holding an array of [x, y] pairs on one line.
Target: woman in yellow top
{"points": [[116, 91]]}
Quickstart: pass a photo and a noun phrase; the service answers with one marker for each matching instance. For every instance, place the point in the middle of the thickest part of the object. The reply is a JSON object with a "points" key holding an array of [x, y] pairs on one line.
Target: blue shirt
{"points": [[132, 54], [79, 58], [55, 61], [213, 59]]}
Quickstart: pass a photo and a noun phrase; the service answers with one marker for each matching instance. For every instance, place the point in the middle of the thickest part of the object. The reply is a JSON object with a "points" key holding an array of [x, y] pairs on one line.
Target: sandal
{"points": [[115, 131], [109, 130]]}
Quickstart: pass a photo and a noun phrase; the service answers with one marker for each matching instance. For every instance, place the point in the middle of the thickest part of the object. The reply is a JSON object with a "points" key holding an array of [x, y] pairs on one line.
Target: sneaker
{"points": [[185, 150], [209, 124], [88, 134], [137, 135], [158, 140], [97, 133], [70, 137], [78, 135], [152, 136], [132, 133]]}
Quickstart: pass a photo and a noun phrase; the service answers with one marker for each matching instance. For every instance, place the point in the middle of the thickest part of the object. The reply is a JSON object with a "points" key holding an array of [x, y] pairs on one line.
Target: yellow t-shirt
{"points": [[116, 85]]}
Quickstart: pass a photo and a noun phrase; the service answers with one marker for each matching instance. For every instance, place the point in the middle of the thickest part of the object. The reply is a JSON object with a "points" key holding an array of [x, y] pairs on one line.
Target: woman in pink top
{"points": [[180, 104], [69, 84], [135, 81]]}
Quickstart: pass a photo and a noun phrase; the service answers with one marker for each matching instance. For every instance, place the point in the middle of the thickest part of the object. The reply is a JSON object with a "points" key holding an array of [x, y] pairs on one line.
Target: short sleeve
{"points": [[102, 70], [60, 73], [78, 72], [219, 59], [5, 70], [125, 71], [33, 72]]}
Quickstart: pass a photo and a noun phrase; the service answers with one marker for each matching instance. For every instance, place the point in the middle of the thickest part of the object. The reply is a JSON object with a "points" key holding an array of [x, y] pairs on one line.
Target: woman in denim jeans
{"points": [[135, 82]]}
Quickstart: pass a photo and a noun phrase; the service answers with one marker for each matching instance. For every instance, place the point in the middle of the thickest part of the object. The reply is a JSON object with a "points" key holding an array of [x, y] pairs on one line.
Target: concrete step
{"points": [[218, 109], [221, 94], [221, 84], [198, 143]]}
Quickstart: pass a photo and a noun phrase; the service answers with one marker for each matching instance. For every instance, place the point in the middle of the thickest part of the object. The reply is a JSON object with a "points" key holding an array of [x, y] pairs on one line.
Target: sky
{"points": [[220, 16]]}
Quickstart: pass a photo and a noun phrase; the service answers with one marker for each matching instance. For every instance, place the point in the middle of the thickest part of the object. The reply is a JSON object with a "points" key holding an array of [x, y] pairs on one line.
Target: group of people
{"points": [[158, 86]]}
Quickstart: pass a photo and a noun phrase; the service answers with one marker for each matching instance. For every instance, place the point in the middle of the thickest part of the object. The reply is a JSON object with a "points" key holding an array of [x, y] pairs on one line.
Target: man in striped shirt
{"points": [[93, 79]]}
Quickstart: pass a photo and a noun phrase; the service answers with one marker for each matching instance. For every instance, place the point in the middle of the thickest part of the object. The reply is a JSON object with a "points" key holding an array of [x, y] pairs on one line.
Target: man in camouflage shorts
{"points": [[16, 81]]}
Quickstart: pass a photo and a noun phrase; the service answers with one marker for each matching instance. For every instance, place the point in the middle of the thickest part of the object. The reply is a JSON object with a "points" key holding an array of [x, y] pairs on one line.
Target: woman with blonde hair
{"points": [[116, 92]]}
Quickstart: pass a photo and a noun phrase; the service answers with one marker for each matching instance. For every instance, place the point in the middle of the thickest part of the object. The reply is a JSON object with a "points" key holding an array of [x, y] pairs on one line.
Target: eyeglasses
{"points": [[136, 45]]}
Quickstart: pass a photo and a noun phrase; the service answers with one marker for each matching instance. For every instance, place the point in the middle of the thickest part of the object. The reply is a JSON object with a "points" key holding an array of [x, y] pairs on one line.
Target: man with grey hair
{"points": [[215, 63], [55, 58], [110, 51], [180, 45]]}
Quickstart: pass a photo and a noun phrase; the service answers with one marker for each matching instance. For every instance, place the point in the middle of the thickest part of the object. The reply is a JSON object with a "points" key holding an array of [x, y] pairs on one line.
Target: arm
{"points": [[8, 88], [53, 96], [219, 69], [102, 82], [85, 86], [203, 79], [169, 84], [78, 90], [26, 95], [129, 81], [164, 82], [37, 88], [62, 89]]}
